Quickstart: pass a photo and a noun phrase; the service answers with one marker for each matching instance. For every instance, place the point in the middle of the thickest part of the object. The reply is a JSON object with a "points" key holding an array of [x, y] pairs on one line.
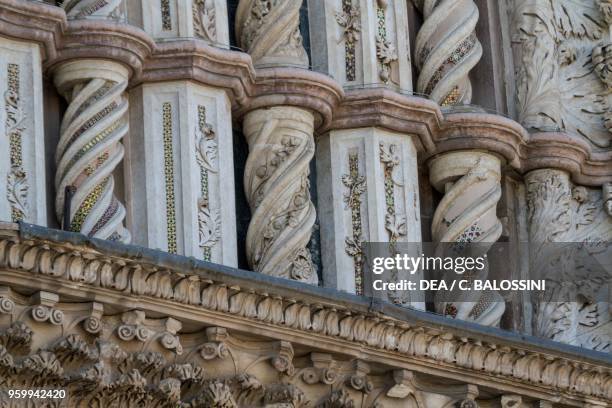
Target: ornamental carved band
{"points": [[467, 214], [270, 32], [447, 49], [90, 148], [281, 146]]}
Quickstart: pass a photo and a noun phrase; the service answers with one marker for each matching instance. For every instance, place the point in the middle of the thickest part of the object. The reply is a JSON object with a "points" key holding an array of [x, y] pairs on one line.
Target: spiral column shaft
{"points": [[90, 148], [467, 215], [270, 32], [447, 49], [76, 9], [276, 182]]}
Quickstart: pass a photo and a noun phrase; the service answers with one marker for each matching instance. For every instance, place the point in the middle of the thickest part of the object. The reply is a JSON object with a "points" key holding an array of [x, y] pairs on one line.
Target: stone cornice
{"points": [[106, 40], [436, 132], [33, 21], [197, 61], [295, 87], [190, 290], [251, 88]]}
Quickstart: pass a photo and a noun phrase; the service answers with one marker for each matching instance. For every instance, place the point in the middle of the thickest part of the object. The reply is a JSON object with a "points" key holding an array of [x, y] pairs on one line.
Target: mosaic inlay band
{"points": [[165, 15], [348, 19], [169, 176], [17, 187], [385, 50], [356, 185]]}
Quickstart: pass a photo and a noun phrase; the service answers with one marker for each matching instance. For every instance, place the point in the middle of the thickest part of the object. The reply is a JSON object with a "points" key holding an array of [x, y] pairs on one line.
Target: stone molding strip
{"points": [[250, 89], [78, 267]]}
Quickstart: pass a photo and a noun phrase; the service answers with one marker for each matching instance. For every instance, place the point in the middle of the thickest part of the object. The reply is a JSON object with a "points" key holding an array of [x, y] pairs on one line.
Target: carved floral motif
{"points": [[385, 49], [356, 185], [395, 223], [209, 219], [16, 181], [349, 20]]}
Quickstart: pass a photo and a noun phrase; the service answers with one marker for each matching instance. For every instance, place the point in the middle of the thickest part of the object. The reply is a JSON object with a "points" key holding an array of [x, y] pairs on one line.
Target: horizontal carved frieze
{"points": [[97, 265]]}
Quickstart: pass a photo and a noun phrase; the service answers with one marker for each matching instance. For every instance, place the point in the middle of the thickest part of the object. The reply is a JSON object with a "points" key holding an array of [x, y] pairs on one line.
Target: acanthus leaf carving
{"points": [[567, 95], [569, 227]]}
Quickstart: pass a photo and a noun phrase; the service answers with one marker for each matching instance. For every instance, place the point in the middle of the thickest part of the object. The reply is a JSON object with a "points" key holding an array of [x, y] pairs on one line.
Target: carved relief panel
{"points": [[562, 65], [22, 165], [361, 43], [568, 229], [368, 192], [181, 147]]}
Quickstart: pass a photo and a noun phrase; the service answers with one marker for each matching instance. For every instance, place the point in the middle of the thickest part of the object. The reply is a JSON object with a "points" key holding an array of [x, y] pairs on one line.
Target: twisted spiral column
{"points": [[281, 146], [76, 9], [447, 49], [90, 148], [467, 214], [270, 32]]}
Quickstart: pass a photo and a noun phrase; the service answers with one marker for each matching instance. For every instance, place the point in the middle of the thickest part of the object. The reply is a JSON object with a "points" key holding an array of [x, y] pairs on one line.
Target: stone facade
{"points": [[364, 121]]}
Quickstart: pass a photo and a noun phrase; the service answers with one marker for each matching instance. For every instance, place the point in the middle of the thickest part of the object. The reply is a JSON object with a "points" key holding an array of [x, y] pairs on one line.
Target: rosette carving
{"points": [[467, 215], [270, 31], [281, 147], [447, 49], [90, 146]]}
